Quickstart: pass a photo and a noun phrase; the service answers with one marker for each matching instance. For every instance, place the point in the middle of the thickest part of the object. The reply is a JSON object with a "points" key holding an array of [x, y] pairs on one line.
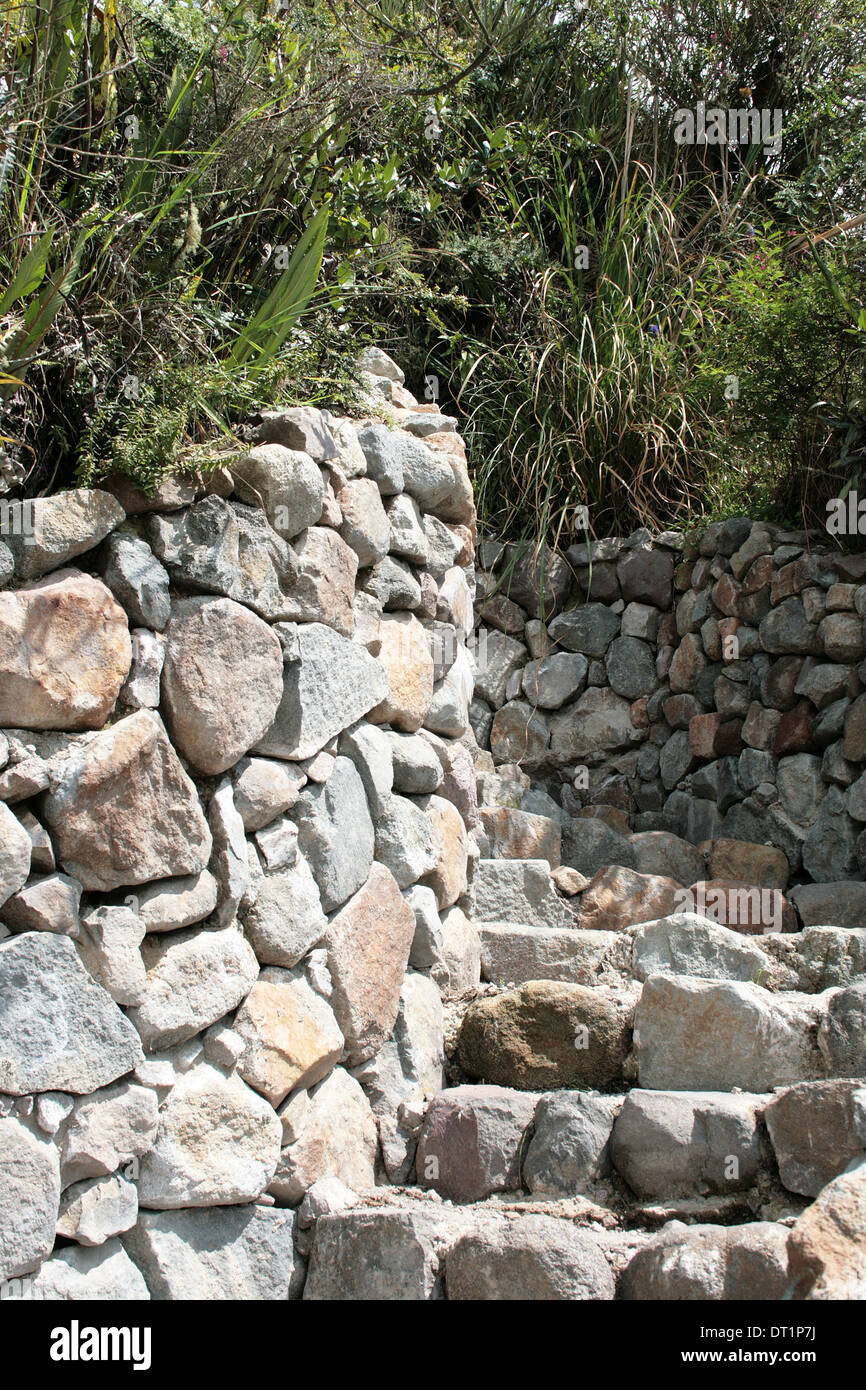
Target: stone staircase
{"points": [[642, 1102]]}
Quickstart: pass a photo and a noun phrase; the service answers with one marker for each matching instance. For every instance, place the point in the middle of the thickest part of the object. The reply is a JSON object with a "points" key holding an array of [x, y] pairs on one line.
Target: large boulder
{"points": [[222, 681], [123, 811], [546, 1035], [700, 1035]]}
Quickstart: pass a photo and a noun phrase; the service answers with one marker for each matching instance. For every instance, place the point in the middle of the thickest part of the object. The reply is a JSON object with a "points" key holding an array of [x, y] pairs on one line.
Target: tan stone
{"points": [[290, 1034], [448, 877], [123, 810], [521, 834], [826, 1244], [368, 949], [405, 654], [618, 898], [65, 651], [222, 681], [569, 881], [759, 864], [329, 1132], [324, 591]]}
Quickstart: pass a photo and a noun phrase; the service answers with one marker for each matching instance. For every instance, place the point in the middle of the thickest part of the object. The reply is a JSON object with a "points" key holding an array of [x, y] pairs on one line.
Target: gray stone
{"points": [[29, 1198], [329, 683], [230, 549], [405, 841], [64, 525], [589, 844], [407, 538], [15, 852], [829, 850], [141, 689], [365, 525], [538, 579], [109, 947], [218, 1143], [830, 904], [570, 1145], [687, 944], [230, 861], [598, 723], [59, 1030], [801, 789], [646, 576], [417, 768], [588, 630], [660, 852], [284, 482], [822, 683], [302, 427], [631, 667], [406, 1072], [76, 1274], [328, 1132], [45, 904], [668, 1144], [706, 1036], [710, 1264], [335, 834], [93, 1211], [286, 920], [641, 620], [676, 759], [193, 979], [176, 902], [237, 1253], [375, 1254], [394, 585], [371, 749], [500, 657], [443, 547], [842, 1032], [554, 680], [137, 580], [263, 789], [427, 948], [514, 955], [113, 1126], [786, 629], [536, 1258], [519, 891]]}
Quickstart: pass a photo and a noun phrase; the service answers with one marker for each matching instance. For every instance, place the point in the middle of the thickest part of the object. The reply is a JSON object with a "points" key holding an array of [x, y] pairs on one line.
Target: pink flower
{"points": [[223, 54]]}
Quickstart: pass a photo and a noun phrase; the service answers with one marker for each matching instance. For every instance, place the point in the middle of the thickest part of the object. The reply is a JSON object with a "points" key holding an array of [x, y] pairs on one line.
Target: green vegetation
{"points": [[223, 201]]}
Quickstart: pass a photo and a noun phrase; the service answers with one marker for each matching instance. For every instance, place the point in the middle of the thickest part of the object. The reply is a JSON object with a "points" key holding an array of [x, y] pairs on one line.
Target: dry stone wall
{"points": [[343, 946]]}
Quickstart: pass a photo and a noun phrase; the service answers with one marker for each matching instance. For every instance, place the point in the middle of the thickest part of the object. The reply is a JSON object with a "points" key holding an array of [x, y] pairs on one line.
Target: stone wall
{"points": [[304, 993], [233, 835], [709, 687]]}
